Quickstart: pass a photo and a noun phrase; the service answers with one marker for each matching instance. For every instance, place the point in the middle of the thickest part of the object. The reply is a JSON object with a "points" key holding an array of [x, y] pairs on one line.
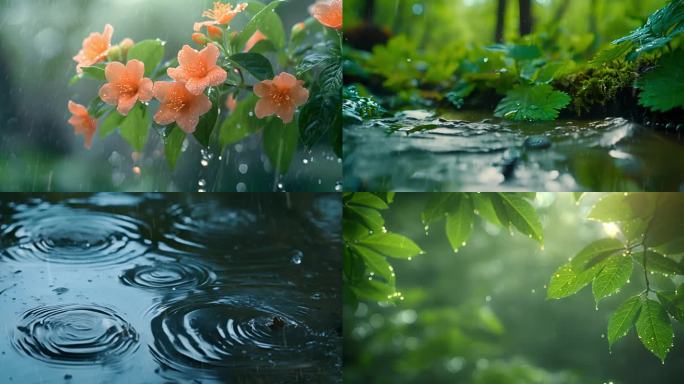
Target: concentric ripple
{"points": [[75, 335], [61, 234], [211, 333], [185, 274], [199, 225]]}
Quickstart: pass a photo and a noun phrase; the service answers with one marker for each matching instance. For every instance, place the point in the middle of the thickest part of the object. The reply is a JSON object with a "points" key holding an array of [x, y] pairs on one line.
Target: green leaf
{"points": [[459, 222], [518, 52], [657, 262], [135, 127], [522, 215], [660, 28], [568, 280], [377, 264], [265, 20], [256, 64], [323, 112], [206, 125], [612, 53], [596, 252], [150, 52], [673, 302], [392, 245], [436, 207], [173, 143], [485, 209], [614, 275], [612, 207], [654, 328], [577, 196], [371, 218], [280, 144], [533, 103], [622, 319], [368, 199], [352, 229], [662, 89], [240, 123], [110, 124], [373, 290], [96, 72]]}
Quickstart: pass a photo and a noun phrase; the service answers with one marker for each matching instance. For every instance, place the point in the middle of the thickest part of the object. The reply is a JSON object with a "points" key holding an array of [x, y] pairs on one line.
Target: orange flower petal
{"points": [[146, 90], [126, 104], [115, 71], [109, 94], [264, 107], [188, 123], [165, 116], [135, 68]]}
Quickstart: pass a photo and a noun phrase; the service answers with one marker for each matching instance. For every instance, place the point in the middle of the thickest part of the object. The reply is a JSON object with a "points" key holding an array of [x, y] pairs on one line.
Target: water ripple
{"points": [[213, 332], [61, 234], [185, 274], [74, 335]]}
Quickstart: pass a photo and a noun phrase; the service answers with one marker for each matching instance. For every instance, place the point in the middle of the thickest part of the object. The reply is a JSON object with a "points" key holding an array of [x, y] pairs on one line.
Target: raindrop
{"points": [[297, 257], [243, 168]]}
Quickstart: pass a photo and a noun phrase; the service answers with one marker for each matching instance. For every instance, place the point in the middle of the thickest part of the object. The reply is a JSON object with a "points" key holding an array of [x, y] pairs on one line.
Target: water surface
{"points": [[150, 288], [472, 151]]}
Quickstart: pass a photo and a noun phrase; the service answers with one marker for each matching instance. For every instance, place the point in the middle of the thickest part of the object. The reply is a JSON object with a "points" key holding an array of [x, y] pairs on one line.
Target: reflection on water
{"points": [[474, 152], [177, 288]]}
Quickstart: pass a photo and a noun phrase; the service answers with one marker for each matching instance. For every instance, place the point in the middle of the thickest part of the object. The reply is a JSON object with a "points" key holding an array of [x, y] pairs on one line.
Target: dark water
{"points": [[181, 288], [471, 151]]}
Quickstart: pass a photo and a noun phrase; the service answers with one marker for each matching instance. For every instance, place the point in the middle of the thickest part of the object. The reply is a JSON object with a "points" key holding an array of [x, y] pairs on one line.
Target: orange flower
{"points": [[198, 70], [221, 14], [280, 96], [256, 37], [82, 122], [179, 105], [328, 13], [126, 85], [200, 38], [95, 48]]}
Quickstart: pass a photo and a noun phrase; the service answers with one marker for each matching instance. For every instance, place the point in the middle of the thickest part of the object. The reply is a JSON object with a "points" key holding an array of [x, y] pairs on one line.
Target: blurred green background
{"points": [[437, 23], [481, 315], [38, 149]]}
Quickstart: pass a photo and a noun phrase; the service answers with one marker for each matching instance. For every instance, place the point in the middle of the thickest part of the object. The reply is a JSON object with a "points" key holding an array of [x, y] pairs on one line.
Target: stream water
{"points": [[151, 288], [472, 151]]}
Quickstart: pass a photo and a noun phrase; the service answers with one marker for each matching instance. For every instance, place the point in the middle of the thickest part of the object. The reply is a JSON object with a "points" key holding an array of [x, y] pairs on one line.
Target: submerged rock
{"points": [[537, 142]]}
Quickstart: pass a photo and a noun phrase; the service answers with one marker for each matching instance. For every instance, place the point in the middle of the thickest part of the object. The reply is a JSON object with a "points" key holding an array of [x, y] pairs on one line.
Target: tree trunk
{"points": [[500, 22], [560, 12], [526, 21], [593, 26], [369, 11]]}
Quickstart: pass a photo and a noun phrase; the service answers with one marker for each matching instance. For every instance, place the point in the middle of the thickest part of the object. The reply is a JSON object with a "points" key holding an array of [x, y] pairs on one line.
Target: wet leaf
{"points": [[623, 319], [135, 127], [392, 245], [367, 199], [596, 252], [662, 89], [280, 143], [654, 328], [265, 20], [150, 52], [534, 103], [110, 124], [459, 222], [522, 215], [206, 125], [241, 123], [256, 64], [614, 275], [173, 143]]}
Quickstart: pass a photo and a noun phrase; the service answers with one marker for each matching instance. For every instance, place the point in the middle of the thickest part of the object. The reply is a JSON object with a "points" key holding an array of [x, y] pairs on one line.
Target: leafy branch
{"points": [[648, 226]]}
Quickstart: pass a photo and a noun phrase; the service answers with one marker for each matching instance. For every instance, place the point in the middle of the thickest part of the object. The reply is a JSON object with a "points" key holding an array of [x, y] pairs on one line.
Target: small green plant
{"points": [[662, 89]]}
